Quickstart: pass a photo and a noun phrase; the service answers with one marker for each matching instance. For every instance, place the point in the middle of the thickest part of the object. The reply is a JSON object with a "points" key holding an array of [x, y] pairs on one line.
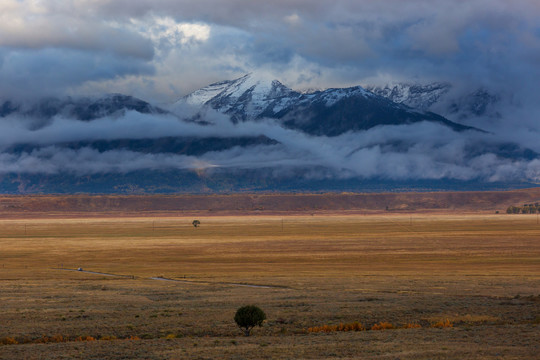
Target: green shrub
{"points": [[249, 316]]}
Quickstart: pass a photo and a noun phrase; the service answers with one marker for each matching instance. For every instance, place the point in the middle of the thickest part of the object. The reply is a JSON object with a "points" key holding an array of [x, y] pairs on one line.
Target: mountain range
{"points": [[439, 97], [329, 112], [256, 134]]}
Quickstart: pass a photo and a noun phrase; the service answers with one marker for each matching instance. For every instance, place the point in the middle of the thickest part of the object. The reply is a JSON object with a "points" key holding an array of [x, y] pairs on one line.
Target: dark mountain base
{"points": [[221, 182]]}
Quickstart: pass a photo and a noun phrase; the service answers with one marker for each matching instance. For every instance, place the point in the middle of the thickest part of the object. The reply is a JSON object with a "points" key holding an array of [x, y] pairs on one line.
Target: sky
{"points": [[160, 50]]}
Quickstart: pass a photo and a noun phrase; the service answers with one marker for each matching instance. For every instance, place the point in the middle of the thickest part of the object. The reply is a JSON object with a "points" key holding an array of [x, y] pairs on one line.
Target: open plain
{"points": [[154, 287]]}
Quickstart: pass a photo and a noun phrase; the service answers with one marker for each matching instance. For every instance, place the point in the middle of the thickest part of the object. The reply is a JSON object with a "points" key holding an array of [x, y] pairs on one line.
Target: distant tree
{"points": [[513, 210], [196, 223], [525, 209], [249, 316]]}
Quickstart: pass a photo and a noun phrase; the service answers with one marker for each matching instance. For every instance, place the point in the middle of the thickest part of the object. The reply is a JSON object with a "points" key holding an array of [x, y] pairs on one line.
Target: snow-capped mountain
{"points": [[349, 139], [414, 95], [246, 98], [441, 97], [329, 112]]}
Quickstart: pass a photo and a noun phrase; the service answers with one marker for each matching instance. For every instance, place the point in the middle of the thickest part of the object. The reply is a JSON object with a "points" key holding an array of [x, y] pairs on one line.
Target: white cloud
{"points": [[161, 29], [416, 151], [292, 19]]}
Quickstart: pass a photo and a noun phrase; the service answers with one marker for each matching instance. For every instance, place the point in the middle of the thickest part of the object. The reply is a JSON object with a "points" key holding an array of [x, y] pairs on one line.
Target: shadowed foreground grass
{"points": [[481, 273]]}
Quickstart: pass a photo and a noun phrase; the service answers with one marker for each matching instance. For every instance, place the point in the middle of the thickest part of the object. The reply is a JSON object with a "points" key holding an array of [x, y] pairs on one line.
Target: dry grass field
{"points": [[479, 274]]}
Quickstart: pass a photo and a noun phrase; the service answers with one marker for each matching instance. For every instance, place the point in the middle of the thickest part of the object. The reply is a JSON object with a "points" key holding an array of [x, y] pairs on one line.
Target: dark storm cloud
{"points": [[66, 25], [27, 75], [306, 43], [433, 28]]}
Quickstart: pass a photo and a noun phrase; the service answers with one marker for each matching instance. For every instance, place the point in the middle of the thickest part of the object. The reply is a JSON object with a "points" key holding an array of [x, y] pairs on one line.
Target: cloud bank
{"points": [[403, 152]]}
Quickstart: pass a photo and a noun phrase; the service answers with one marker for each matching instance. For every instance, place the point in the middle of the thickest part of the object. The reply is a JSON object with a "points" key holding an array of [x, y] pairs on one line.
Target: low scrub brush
{"points": [[382, 326], [355, 326], [443, 324]]}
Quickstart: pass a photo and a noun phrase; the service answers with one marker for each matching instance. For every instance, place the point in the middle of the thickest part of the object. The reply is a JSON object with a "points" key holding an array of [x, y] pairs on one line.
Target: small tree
{"points": [[249, 316], [196, 223]]}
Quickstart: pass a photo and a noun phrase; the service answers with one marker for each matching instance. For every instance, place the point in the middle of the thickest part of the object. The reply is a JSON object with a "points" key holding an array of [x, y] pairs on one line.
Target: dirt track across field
{"points": [[183, 281]]}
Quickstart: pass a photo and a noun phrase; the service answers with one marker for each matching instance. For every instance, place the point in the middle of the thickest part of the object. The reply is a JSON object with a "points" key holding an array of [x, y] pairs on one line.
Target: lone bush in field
{"points": [[249, 316], [196, 223]]}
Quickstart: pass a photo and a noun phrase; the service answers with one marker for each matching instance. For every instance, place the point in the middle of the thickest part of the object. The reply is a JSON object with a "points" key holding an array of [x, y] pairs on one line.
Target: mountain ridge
{"points": [[83, 108], [441, 98], [329, 112]]}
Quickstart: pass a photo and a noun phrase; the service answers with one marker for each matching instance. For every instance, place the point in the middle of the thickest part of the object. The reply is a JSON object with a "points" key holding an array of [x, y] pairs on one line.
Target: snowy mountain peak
{"points": [[443, 98], [260, 89], [245, 98], [418, 96], [332, 96]]}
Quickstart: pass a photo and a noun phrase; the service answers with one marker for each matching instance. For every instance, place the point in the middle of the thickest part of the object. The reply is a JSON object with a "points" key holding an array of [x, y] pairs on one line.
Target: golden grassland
{"points": [[445, 286]]}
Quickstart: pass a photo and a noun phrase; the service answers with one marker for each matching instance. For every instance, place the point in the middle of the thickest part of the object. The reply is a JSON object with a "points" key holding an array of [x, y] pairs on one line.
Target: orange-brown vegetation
{"points": [[357, 326], [354, 326], [8, 341], [443, 324], [62, 339], [383, 325], [412, 326]]}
